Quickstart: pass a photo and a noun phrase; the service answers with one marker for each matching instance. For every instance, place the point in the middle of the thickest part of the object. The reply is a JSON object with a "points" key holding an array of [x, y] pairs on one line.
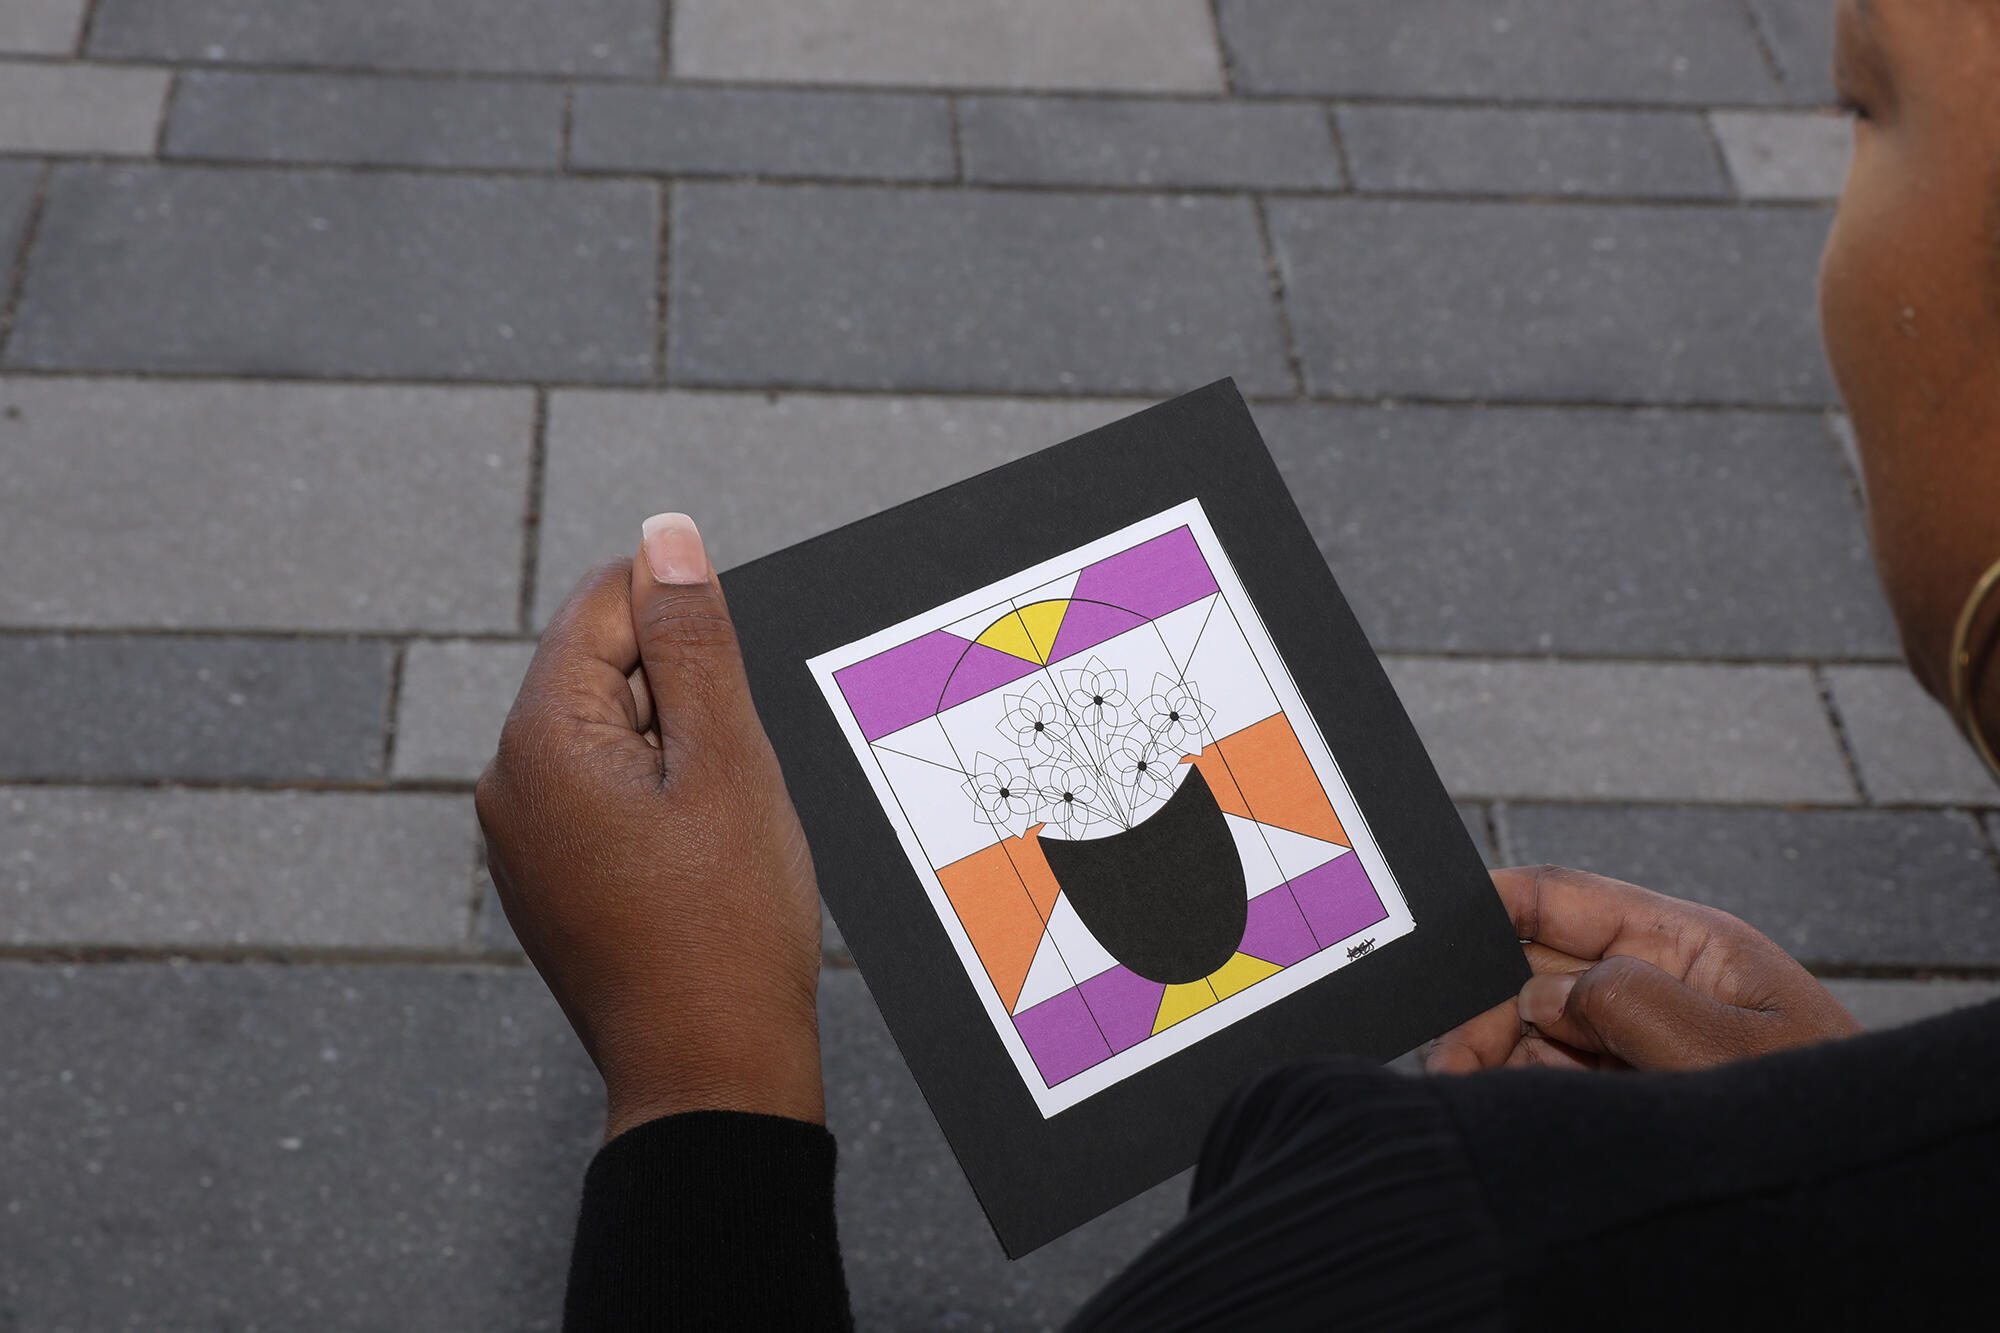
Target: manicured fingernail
{"points": [[673, 548], [1543, 998]]}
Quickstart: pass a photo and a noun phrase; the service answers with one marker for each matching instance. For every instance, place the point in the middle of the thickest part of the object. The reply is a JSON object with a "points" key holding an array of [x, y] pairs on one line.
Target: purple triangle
{"points": [[890, 690], [980, 670], [1087, 624], [1277, 933], [1124, 1005], [1152, 578]]}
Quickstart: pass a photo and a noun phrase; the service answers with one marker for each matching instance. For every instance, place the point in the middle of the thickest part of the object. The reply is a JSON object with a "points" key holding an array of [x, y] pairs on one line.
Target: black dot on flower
{"points": [[1038, 726], [1173, 717], [1097, 698], [1067, 796], [1004, 793], [1142, 766]]}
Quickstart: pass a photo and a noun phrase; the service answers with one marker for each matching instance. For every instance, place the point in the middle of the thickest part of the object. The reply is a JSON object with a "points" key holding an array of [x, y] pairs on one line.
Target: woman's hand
{"points": [[1629, 978], [647, 854]]}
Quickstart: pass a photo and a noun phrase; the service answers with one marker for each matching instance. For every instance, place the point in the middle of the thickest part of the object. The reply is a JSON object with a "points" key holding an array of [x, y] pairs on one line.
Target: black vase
{"points": [[1165, 898]]}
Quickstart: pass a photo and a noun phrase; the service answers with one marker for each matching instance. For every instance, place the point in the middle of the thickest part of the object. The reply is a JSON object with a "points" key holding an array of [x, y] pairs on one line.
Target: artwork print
{"points": [[1127, 822]]}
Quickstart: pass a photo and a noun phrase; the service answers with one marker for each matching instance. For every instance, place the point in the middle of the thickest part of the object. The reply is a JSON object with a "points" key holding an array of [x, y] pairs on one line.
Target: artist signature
{"points": [[1360, 949]]}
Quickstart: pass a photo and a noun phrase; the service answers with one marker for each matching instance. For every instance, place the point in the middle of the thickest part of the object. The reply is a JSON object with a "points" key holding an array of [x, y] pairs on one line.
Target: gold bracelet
{"points": [[1961, 668]]}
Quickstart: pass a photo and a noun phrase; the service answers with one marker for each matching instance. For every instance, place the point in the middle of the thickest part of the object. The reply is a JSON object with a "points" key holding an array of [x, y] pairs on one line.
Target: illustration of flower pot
{"points": [[1166, 897]]}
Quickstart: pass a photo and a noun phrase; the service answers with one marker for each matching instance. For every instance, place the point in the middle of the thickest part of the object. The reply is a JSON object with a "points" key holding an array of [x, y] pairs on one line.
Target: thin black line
{"points": [[957, 139], [663, 281], [567, 132], [666, 39], [531, 513], [1223, 57], [1347, 178], [1824, 685], [167, 106], [17, 275], [1274, 277], [391, 706], [919, 758], [86, 29], [1766, 50]]}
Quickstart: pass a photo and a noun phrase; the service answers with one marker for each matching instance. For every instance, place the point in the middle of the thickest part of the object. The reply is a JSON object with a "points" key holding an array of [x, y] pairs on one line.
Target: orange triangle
{"points": [[1033, 868], [998, 915], [1277, 780], [1220, 782]]}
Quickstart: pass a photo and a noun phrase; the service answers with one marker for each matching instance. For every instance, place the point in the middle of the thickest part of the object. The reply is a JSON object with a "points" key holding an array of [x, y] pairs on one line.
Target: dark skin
{"points": [[649, 858]]}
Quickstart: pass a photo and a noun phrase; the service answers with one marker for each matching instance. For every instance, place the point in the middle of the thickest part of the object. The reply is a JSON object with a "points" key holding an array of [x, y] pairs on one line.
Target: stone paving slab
{"points": [[1833, 887], [225, 114], [1437, 521], [453, 702], [17, 198], [690, 130], [1630, 731], [1906, 746], [293, 506], [761, 471], [1497, 150], [43, 27], [110, 866], [1785, 154], [1892, 1004], [1513, 300], [356, 275], [116, 706], [1800, 35], [370, 1147], [821, 286], [511, 36], [1543, 50], [48, 108], [1132, 45], [1144, 142]]}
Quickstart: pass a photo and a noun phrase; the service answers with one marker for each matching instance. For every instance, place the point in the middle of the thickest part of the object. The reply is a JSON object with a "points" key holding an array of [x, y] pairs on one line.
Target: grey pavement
{"points": [[338, 340]]}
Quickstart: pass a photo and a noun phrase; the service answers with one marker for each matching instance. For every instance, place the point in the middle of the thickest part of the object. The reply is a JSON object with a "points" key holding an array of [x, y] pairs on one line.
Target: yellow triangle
{"points": [[1240, 972], [1183, 1001], [1043, 619], [1010, 636]]}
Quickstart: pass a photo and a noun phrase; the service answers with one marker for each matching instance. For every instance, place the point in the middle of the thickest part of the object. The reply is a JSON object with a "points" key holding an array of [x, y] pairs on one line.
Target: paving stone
{"points": [[703, 131], [1496, 150], [49, 108], [154, 706], [1600, 532], [454, 699], [510, 36], [99, 866], [807, 285], [286, 506], [759, 471], [1164, 45], [1863, 887], [1892, 1004], [1131, 141], [1611, 731], [377, 121], [1906, 746], [1578, 302], [1785, 154], [1800, 35], [44, 27], [377, 274], [1695, 51], [264, 1147], [17, 199], [371, 1147]]}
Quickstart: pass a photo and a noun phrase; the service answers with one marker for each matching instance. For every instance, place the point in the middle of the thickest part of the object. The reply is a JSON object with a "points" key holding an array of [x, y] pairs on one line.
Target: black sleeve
{"points": [[1845, 1185], [710, 1220]]}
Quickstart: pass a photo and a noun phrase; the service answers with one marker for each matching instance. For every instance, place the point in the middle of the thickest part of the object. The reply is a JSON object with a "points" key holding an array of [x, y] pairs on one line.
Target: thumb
{"points": [[1629, 1009], [688, 652]]}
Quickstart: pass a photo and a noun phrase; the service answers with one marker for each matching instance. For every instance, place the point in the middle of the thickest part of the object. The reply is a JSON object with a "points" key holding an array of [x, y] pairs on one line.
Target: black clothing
{"points": [[1853, 1184]]}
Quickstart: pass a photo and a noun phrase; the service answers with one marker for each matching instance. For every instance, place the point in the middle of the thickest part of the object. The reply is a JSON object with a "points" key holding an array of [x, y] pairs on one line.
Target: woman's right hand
{"points": [[1629, 978]]}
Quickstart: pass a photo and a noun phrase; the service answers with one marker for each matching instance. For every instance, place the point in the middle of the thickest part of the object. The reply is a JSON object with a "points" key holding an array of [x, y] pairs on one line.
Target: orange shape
{"points": [[1033, 868], [1277, 780], [1220, 782], [998, 915]]}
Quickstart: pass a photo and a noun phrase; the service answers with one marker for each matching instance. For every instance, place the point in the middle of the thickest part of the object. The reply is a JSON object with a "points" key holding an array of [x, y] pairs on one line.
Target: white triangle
{"points": [[1260, 870], [925, 740], [1050, 592], [1047, 977], [1181, 628], [1296, 852], [1082, 953], [972, 627]]}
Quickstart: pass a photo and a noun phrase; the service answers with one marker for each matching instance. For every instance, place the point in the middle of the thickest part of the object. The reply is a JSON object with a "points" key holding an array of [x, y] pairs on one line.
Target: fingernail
{"points": [[1543, 998], [672, 545]]}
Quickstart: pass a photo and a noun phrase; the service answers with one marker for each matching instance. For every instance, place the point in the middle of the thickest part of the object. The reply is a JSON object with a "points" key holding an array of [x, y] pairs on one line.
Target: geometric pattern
{"points": [[1149, 618]]}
